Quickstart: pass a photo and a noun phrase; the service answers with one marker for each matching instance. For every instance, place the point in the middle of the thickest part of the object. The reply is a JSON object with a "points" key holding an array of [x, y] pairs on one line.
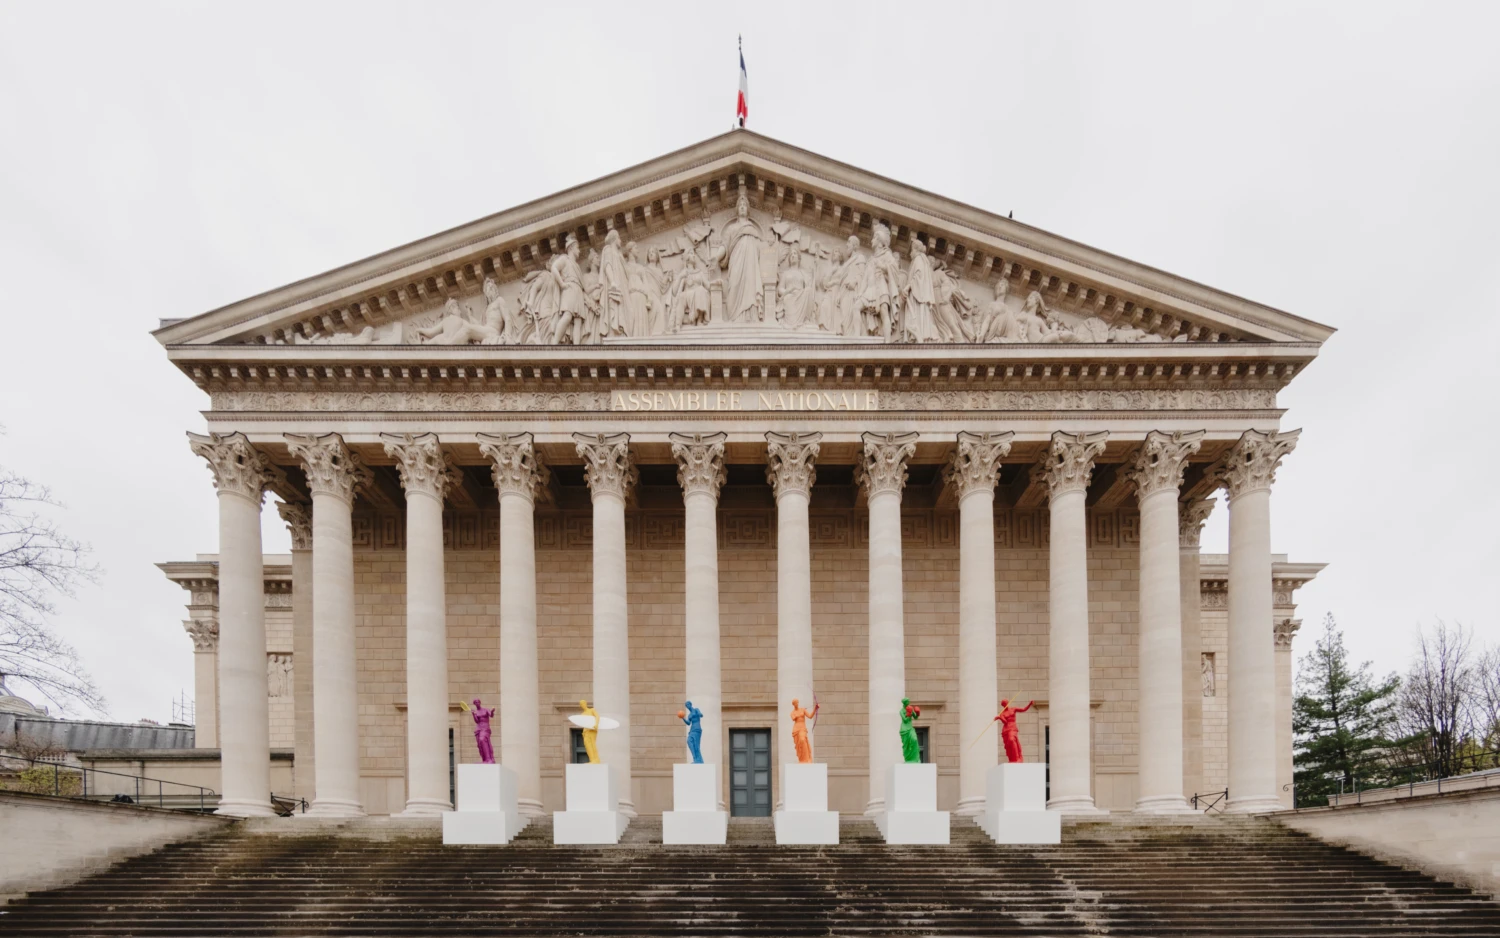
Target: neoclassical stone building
{"points": [[741, 425]]}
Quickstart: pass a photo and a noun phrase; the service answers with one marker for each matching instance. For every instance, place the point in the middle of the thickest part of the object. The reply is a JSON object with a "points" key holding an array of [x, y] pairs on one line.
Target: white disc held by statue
{"points": [[587, 722]]}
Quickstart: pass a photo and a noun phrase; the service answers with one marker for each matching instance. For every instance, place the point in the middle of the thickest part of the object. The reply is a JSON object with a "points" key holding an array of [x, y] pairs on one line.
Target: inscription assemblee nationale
{"points": [[743, 400]]}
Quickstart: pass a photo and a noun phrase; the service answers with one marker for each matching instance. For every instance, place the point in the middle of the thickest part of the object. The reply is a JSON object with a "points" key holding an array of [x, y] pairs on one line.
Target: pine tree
{"points": [[1340, 719]]}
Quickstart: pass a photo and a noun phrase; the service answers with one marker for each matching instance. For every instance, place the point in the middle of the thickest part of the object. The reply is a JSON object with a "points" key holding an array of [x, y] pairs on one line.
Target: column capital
{"points": [[1159, 463], [423, 465], [1250, 465], [237, 466], [700, 461], [608, 468], [1191, 516], [883, 469], [330, 467], [298, 518], [204, 632], [790, 462], [518, 468], [1286, 629], [976, 463], [1069, 463]]}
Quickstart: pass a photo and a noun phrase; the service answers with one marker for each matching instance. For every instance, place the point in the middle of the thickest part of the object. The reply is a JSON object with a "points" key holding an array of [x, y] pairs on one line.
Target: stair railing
{"points": [[81, 774], [1212, 801], [287, 805]]}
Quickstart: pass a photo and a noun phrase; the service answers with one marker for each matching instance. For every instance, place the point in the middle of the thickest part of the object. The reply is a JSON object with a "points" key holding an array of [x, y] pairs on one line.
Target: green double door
{"points": [[750, 773]]}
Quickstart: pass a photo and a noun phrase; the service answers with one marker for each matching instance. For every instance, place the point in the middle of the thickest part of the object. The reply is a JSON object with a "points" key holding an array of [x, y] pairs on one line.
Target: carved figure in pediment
{"points": [[541, 297], [514, 328], [952, 310], [1040, 323], [795, 294], [740, 256], [880, 295], [645, 304], [594, 326], [690, 299], [786, 236], [841, 315], [572, 311], [701, 239], [614, 290], [917, 323], [456, 329]]}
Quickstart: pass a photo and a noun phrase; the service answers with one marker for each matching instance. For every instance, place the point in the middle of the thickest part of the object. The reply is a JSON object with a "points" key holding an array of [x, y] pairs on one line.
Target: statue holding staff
{"points": [[482, 717], [799, 730], [1008, 732]]}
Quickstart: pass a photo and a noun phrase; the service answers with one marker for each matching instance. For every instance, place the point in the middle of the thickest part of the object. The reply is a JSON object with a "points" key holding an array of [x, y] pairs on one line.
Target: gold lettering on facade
{"points": [[690, 401]]}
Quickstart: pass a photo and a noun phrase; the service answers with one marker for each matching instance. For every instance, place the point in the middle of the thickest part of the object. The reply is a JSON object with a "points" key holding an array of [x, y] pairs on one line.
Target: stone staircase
{"points": [[1192, 876]]}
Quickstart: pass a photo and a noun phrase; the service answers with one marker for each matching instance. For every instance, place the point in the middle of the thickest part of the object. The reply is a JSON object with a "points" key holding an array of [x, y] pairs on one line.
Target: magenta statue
{"points": [[1008, 732], [482, 732]]}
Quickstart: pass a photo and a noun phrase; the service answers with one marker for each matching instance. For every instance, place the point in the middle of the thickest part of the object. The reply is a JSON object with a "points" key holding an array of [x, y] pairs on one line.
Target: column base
{"points": [[627, 808], [874, 808], [530, 807], [423, 807], [327, 807], [245, 809], [1253, 806], [1076, 806], [969, 807], [1163, 804]]}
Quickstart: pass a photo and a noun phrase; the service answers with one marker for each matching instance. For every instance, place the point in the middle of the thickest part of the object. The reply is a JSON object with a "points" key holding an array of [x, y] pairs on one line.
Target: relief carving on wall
{"points": [[742, 266]]}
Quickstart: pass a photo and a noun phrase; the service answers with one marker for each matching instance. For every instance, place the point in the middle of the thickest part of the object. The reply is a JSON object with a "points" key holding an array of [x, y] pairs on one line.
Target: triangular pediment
{"points": [[741, 239]]}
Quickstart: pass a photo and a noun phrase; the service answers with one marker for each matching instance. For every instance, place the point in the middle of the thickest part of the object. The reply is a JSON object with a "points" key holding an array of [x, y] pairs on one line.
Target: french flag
{"points": [[742, 108]]}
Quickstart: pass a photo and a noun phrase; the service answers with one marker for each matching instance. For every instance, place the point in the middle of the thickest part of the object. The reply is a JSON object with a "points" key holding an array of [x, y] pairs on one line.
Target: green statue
{"points": [[910, 751]]}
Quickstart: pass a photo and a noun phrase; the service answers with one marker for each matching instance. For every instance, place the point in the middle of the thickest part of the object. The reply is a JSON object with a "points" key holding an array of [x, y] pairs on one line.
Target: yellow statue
{"points": [[591, 734]]}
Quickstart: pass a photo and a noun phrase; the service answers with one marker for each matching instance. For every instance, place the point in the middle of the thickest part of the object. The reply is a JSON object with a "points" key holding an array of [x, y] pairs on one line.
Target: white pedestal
{"points": [[592, 801], [1015, 809], [911, 815], [695, 818], [805, 818], [486, 812]]}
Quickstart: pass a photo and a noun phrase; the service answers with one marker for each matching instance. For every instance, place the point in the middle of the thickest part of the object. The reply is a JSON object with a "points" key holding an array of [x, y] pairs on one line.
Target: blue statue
{"points": [[693, 717]]}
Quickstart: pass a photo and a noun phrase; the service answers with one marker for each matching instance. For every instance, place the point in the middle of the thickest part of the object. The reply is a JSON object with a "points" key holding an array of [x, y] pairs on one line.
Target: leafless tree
{"points": [[1488, 702], [38, 563], [1437, 703]]}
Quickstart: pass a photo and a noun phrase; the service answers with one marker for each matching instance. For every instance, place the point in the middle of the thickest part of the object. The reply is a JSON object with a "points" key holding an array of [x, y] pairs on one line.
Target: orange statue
{"points": [[799, 730], [1008, 732]]}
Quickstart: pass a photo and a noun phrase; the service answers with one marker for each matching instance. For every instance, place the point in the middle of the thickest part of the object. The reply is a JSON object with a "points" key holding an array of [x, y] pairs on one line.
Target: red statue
{"points": [[1008, 732]]}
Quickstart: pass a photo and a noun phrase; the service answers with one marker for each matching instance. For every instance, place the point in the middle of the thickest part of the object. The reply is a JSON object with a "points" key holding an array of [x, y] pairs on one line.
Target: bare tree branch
{"points": [[38, 563]]}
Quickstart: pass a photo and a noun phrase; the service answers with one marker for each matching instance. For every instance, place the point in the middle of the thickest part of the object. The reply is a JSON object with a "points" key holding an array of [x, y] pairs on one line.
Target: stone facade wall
{"points": [[1216, 708], [278, 670], [747, 563]]}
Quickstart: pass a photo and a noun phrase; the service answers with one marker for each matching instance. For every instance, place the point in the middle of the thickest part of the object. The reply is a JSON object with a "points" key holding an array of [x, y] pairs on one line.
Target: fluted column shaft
{"points": [[792, 469], [700, 472], [973, 473], [426, 473], [241, 474], [332, 474], [298, 518], [205, 634], [518, 476], [882, 472], [1157, 472], [1192, 515], [1067, 471], [1248, 471], [610, 475]]}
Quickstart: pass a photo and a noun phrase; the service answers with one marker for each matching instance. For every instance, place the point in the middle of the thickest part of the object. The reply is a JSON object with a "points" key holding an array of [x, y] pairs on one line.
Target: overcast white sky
{"points": [[1336, 161]]}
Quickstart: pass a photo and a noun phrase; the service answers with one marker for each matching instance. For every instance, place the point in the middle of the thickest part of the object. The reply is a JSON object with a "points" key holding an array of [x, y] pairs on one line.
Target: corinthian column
{"points": [[700, 471], [1192, 515], [298, 518], [610, 474], [1247, 471], [791, 469], [241, 475], [519, 475], [1157, 474], [882, 472], [426, 473], [333, 473], [1067, 469], [205, 635], [973, 472]]}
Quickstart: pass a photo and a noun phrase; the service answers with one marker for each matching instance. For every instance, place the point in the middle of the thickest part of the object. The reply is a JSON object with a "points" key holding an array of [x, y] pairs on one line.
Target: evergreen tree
{"points": [[1339, 717]]}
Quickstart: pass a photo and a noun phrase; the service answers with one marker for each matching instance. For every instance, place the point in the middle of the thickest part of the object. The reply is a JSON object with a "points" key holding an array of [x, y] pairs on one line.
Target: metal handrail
{"points": [[1213, 805], [287, 805], [83, 772]]}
